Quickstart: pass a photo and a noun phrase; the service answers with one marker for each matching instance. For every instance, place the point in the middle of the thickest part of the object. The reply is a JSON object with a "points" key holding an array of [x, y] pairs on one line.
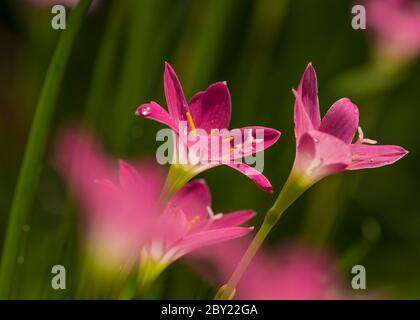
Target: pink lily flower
{"points": [[324, 147], [191, 224], [208, 114], [117, 211], [125, 220], [396, 26], [290, 272]]}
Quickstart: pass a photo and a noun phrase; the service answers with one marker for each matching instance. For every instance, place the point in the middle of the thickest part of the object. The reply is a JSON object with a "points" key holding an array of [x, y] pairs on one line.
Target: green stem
{"points": [[178, 176], [293, 189], [148, 272], [31, 165]]}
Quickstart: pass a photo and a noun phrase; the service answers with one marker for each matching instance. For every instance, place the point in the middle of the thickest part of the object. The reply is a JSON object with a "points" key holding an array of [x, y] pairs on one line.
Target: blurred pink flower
{"points": [[209, 112], [124, 219], [396, 26], [291, 272], [325, 147]]}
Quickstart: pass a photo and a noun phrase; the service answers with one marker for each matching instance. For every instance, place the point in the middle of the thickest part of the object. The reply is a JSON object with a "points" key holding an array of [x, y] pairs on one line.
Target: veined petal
{"points": [[233, 219], [172, 225], [308, 91], [374, 156], [207, 238], [193, 199], [253, 139], [211, 109], [320, 154], [155, 112], [174, 95], [341, 120], [301, 118], [256, 176], [240, 142]]}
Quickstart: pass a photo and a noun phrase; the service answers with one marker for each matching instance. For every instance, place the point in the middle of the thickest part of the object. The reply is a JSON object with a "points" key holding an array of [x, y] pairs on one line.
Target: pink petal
{"points": [[174, 94], [301, 118], [262, 138], [374, 156], [233, 219], [172, 225], [341, 120], [256, 176], [207, 238], [211, 109], [307, 109], [117, 216], [240, 142], [193, 200], [320, 154], [128, 176], [155, 112], [140, 188]]}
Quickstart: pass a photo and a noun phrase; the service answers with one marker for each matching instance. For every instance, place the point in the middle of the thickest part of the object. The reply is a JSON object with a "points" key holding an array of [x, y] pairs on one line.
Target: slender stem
{"points": [[293, 189], [31, 165], [148, 272]]}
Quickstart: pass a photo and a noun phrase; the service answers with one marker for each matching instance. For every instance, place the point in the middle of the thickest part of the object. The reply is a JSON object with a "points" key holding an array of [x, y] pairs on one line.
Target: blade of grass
{"points": [[134, 77], [104, 61], [30, 168], [200, 55]]}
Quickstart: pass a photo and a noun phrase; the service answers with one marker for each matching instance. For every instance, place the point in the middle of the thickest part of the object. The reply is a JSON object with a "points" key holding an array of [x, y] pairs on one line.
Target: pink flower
{"points": [[124, 218], [325, 147], [290, 272], [192, 225], [396, 25], [208, 114]]}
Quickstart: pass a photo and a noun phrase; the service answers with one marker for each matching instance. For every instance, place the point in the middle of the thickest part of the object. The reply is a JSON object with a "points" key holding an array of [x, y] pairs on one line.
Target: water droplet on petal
{"points": [[371, 160], [316, 140], [146, 111]]}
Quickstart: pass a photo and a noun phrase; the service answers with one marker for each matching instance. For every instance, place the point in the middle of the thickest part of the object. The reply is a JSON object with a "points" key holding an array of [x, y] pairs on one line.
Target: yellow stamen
{"points": [[192, 222], [191, 122], [213, 131], [229, 138], [232, 150]]}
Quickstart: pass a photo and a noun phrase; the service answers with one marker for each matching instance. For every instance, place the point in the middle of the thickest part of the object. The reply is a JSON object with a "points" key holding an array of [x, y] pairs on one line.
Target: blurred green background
{"points": [[261, 49]]}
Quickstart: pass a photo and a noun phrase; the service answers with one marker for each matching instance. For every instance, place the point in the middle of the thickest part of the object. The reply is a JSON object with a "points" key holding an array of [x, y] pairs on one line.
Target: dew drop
{"points": [[316, 140], [371, 160], [146, 111], [26, 228], [20, 260]]}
